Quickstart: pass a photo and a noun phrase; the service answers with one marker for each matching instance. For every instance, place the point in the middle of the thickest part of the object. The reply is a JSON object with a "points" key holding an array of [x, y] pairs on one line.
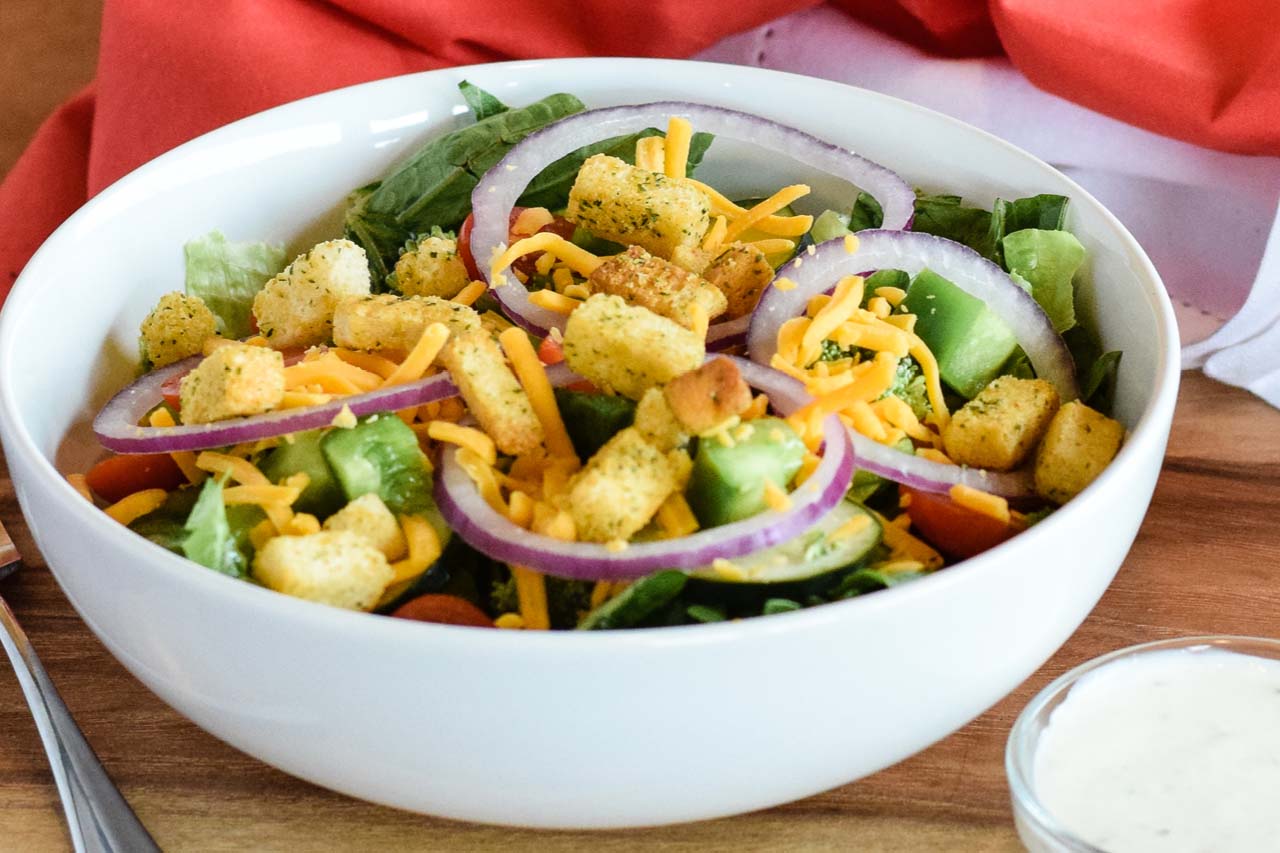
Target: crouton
{"points": [[695, 259], [176, 328], [619, 202], [334, 567], [657, 423], [622, 486], [492, 392], [369, 517], [295, 309], [661, 286], [703, 399], [628, 349], [1000, 427], [1080, 442], [431, 268], [388, 322], [741, 273], [235, 379]]}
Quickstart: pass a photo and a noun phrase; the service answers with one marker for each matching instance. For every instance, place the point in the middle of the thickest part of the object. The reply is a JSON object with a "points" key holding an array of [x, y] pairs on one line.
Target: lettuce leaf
{"points": [[228, 275], [1047, 261], [209, 541], [483, 104], [866, 213], [946, 216], [433, 186]]}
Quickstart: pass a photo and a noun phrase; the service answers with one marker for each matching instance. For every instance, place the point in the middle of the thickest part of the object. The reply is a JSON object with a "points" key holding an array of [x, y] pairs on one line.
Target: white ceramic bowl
{"points": [[586, 730]]}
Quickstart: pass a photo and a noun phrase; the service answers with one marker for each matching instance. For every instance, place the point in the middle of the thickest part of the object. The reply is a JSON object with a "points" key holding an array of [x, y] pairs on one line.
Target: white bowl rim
{"points": [[224, 591]]}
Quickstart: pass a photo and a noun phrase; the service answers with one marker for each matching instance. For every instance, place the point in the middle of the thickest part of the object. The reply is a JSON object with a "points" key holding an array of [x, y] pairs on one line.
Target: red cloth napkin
{"points": [[1208, 72]]}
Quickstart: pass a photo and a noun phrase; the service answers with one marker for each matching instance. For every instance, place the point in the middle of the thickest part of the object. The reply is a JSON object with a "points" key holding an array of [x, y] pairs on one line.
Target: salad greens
{"points": [[228, 275], [368, 479], [432, 188]]}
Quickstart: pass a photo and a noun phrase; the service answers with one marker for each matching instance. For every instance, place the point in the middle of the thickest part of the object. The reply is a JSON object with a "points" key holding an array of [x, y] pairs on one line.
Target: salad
{"points": [[549, 379]]}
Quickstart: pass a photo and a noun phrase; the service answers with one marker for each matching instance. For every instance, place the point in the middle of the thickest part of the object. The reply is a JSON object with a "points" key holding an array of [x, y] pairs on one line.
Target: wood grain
{"points": [[1203, 562]]}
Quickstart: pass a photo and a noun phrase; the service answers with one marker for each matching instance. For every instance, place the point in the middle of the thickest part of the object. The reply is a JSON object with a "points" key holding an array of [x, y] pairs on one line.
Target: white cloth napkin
{"points": [[1207, 219]]}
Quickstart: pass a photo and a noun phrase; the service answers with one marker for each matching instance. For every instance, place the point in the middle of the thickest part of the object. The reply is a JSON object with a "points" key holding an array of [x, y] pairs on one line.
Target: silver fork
{"points": [[99, 819]]}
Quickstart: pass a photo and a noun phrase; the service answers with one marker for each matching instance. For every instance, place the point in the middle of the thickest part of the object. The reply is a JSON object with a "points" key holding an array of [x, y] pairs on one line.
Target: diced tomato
{"points": [[550, 351], [117, 477], [443, 609], [171, 390], [955, 530], [558, 225]]}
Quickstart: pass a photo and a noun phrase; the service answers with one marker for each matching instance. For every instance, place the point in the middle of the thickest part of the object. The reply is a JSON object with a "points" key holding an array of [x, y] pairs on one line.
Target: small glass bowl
{"points": [[1039, 830]]}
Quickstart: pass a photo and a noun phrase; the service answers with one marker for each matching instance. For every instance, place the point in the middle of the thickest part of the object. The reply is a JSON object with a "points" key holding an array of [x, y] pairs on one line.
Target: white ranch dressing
{"points": [[1175, 750]]}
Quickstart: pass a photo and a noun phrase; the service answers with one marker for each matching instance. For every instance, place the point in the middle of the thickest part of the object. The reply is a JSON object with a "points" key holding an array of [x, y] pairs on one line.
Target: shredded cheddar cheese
{"points": [[184, 459], [676, 517], [471, 438], [533, 378], [132, 507], [675, 158], [982, 502], [424, 548], [715, 234], [509, 621], [779, 226], [771, 205], [531, 220], [776, 496], [553, 301], [576, 258], [375, 364], [774, 245], [424, 352], [81, 485], [469, 294], [651, 153]]}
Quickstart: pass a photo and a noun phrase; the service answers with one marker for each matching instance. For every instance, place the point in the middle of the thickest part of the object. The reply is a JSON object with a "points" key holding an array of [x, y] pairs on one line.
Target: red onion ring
{"points": [[916, 472], [972, 273], [117, 424], [497, 192], [491, 533]]}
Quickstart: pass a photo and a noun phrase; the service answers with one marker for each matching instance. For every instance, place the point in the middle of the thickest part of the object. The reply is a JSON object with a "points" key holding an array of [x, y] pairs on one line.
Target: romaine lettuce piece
{"points": [[1047, 261], [228, 275]]}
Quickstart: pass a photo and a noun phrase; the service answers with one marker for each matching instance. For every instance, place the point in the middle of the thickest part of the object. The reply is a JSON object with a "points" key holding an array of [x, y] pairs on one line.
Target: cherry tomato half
{"points": [[558, 225], [443, 609], [955, 530], [117, 477]]}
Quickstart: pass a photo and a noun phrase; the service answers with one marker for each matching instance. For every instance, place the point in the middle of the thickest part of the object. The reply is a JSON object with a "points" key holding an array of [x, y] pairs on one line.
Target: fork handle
{"points": [[99, 819]]}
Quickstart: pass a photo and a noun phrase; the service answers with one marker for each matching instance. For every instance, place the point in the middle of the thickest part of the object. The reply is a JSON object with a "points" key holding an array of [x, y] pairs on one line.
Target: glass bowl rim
{"points": [[1019, 776]]}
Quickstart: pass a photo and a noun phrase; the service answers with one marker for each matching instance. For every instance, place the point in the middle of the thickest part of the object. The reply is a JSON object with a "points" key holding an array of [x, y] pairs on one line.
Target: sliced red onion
{"points": [[496, 194], [117, 424], [490, 532], [972, 273], [912, 252], [730, 333], [926, 475]]}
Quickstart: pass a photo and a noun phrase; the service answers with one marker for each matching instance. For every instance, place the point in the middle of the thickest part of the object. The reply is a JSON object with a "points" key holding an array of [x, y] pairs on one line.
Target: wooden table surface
{"points": [[1203, 562]]}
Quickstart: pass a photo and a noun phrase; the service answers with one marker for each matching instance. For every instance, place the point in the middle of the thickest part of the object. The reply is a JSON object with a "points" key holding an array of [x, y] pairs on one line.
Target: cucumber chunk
{"points": [[727, 482], [381, 455], [322, 496]]}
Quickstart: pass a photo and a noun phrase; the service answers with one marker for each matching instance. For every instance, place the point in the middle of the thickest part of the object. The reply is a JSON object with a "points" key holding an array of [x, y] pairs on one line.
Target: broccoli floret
{"points": [[909, 386], [832, 351], [567, 600], [502, 595]]}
